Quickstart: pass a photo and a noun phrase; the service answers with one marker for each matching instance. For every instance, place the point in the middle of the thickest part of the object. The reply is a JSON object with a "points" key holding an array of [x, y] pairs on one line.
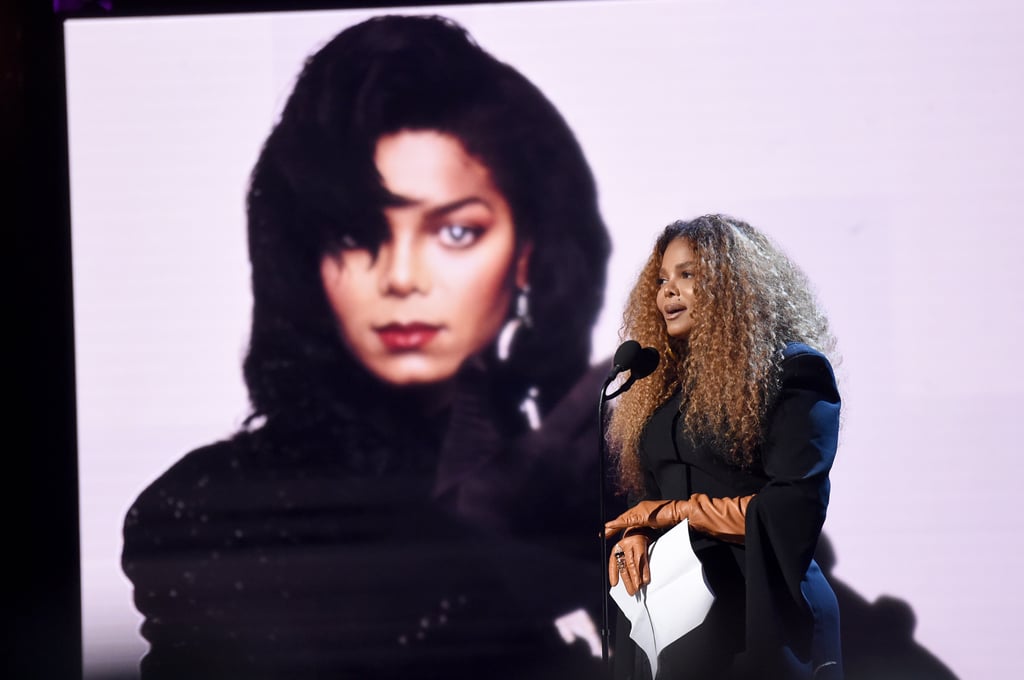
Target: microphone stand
{"points": [[605, 624]]}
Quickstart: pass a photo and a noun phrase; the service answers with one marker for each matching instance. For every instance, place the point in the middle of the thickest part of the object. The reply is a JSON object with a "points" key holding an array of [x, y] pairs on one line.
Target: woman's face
{"points": [[676, 280], [440, 286]]}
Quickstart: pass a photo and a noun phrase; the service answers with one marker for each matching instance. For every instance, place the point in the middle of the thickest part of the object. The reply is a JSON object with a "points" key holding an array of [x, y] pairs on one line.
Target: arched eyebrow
{"points": [[443, 210], [398, 201], [679, 267]]}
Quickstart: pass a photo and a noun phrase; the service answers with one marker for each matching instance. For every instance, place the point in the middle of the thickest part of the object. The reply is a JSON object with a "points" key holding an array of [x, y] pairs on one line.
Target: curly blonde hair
{"points": [[750, 300]]}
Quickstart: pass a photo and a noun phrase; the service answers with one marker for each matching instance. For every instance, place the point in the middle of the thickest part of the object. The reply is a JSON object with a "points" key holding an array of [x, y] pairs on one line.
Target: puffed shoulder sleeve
{"points": [[784, 520]]}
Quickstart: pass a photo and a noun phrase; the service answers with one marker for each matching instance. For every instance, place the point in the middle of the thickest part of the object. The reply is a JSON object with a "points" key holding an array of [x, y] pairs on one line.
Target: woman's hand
{"points": [[629, 559], [649, 514], [723, 518]]}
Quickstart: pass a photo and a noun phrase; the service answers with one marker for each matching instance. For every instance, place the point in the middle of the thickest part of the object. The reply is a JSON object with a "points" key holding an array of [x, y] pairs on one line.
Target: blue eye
{"points": [[459, 235]]}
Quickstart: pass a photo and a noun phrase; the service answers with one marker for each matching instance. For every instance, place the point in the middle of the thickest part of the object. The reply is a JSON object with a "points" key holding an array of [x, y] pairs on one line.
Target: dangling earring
{"points": [[520, 320], [529, 408]]}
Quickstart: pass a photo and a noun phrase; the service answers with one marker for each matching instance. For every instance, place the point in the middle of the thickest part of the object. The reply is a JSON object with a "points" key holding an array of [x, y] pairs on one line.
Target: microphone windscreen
{"points": [[626, 354], [645, 363]]}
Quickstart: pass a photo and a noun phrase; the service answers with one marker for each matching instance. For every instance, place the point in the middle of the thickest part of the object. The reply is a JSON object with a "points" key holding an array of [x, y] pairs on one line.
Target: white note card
{"points": [[675, 601]]}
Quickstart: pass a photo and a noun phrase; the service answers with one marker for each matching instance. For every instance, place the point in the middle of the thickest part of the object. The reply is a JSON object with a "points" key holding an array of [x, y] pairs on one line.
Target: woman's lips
{"points": [[673, 312], [406, 337]]}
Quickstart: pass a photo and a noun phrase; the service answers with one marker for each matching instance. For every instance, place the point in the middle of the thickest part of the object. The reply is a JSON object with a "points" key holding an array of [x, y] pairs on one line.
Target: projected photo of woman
{"points": [[414, 494]]}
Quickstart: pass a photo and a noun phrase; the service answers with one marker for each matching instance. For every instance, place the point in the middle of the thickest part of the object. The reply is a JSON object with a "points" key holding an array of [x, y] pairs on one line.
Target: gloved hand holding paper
{"points": [[676, 600]]}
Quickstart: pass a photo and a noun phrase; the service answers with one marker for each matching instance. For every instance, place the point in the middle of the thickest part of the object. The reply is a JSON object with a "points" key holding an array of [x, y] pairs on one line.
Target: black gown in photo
{"points": [[442, 550]]}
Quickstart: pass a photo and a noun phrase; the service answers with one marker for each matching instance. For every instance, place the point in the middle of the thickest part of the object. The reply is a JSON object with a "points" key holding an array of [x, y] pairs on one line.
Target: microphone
{"points": [[625, 356], [645, 364], [639, 361]]}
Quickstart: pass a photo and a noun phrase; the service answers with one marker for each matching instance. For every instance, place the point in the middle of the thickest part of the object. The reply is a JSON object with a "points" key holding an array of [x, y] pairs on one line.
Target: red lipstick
{"points": [[406, 337]]}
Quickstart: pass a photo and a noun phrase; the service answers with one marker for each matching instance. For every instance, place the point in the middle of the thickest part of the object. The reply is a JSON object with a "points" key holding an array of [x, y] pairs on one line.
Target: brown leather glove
{"points": [[629, 560], [650, 514], [723, 518]]}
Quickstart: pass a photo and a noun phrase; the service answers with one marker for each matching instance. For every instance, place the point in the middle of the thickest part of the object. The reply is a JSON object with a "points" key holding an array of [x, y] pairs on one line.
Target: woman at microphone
{"points": [[735, 432], [428, 259]]}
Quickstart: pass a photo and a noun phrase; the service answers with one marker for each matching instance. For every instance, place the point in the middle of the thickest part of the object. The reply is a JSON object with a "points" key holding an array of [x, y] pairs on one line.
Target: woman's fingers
{"points": [[643, 514], [616, 564], [624, 521], [634, 559], [630, 581], [628, 563]]}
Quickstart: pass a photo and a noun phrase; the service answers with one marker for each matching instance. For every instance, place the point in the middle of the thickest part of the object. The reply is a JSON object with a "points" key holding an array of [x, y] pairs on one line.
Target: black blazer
{"points": [[774, 614]]}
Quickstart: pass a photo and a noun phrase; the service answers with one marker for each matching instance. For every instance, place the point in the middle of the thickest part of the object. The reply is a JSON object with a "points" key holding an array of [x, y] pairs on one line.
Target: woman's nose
{"points": [[403, 271]]}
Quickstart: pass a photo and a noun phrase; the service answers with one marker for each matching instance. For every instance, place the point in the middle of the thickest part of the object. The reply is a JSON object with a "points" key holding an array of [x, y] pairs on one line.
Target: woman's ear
{"points": [[523, 265]]}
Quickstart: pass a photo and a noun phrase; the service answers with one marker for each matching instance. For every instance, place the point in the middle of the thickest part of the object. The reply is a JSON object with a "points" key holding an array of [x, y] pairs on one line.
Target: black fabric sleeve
{"points": [[784, 520]]}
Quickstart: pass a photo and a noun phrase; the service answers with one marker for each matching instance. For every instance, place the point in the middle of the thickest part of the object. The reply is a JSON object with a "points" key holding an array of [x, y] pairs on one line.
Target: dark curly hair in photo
{"points": [[316, 188]]}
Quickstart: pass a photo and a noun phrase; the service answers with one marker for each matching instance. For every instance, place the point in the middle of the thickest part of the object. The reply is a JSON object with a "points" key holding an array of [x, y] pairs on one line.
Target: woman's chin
{"points": [[410, 371]]}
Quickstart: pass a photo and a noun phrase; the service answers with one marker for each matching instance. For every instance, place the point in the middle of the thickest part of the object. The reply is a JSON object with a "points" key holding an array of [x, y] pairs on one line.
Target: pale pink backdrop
{"points": [[879, 142]]}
